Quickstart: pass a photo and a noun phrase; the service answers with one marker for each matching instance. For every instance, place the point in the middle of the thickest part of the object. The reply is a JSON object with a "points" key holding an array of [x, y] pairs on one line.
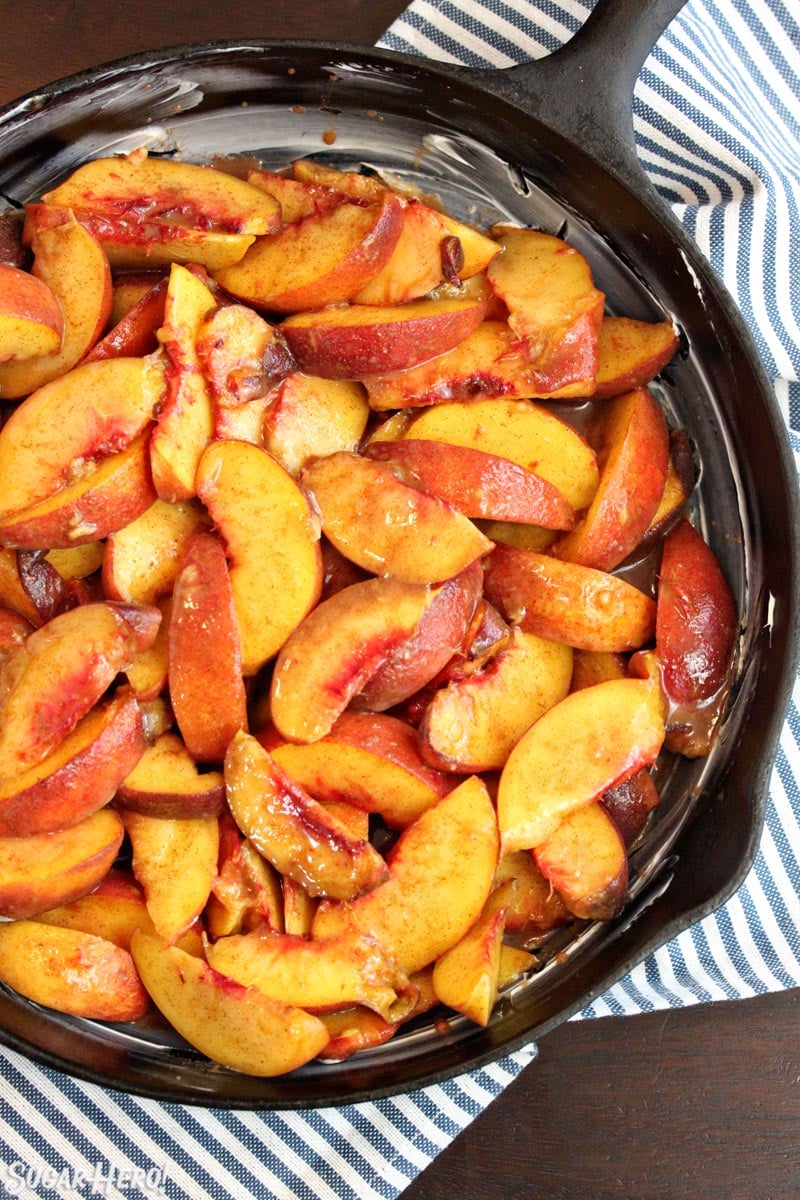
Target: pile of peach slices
{"points": [[348, 601]]}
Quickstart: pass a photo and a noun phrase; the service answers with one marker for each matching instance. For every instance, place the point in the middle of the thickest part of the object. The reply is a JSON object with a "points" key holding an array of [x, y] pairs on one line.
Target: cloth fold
{"points": [[716, 126]]}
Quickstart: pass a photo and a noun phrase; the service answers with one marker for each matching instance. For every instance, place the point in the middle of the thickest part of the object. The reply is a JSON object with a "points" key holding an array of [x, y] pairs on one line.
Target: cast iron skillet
{"points": [[548, 144]]}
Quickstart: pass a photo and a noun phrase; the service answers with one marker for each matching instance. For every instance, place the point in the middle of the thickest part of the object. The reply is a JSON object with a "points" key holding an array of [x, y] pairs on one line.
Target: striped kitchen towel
{"points": [[717, 130]]}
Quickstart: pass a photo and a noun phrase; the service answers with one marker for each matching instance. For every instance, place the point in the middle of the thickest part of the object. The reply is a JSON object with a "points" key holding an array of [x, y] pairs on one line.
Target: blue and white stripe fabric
{"points": [[716, 123]]}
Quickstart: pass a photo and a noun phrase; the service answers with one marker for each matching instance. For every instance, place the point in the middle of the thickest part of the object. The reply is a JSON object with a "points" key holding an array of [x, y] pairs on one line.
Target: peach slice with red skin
{"points": [[72, 264], [631, 354], [321, 259], [630, 803], [206, 687], [292, 830], [553, 305], [239, 1027], [234, 347], [296, 197], [165, 782], [440, 874], [386, 526], [590, 741], [533, 906], [634, 460], [185, 421], [477, 484], [371, 760], [359, 340], [246, 893], [71, 971], [31, 320], [472, 724], [63, 430], [80, 775], [525, 433], [415, 265], [39, 871], [272, 543], [100, 502], [108, 912], [308, 417], [136, 332], [337, 648], [682, 475], [586, 608], [60, 673], [317, 975], [586, 862]]}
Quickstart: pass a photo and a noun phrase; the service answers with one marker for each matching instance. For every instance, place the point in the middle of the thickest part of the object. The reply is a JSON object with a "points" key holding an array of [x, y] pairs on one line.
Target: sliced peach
{"points": [[586, 862], [336, 650], [14, 630], [59, 674], [441, 633], [477, 484], [590, 741], [322, 259], [298, 909], [185, 421], [296, 197], [136, 332], [59, 434], [525, 433], [246, 893], [142, 558], [233, 347], [682, 475], [320, 975], [292, 830], [80, 776], [415, 265], [105, 914], [632, 353], [309, 418], [553, 304], [149, 671], [534, 908], [474, 723], [272, 543], [99, 503], [77, 562], [388, 527], [373, 761], [71, 971], [175, 861], [31, 320], [42, 870], [358, 340], [595, 666], [205, 661], [12, 593], [239, 1027], [165, 782], [587, 609], [634, 458], [441, 872], [466, 976], [72, 264], [630, 803]]}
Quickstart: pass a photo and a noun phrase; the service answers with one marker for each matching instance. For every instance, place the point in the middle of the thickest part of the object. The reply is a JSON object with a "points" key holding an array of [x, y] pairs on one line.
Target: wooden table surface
{"points": [[701, 1104]]}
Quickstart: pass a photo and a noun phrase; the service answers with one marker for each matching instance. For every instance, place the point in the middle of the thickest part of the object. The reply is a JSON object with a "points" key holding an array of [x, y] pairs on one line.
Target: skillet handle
{"points": [[584, 89]]}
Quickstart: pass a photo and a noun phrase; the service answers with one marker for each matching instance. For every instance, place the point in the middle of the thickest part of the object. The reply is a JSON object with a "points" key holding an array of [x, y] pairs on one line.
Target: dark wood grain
{"points": [[701, 1104]]}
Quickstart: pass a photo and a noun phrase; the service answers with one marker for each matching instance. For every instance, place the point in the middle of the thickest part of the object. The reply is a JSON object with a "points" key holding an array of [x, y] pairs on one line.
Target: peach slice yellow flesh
{"points": [[478, 484], [441, 872], [71, 971], [42, 870], [158, 189], [388, 527], [358, 340], [175, 861], [59, 433], [72, 264], [31, 320], [567, 602], [371, 760], [466, 976], [237, 1026], [586, 862], [631, 354], [60, 673], [336, 649], [292, 830], [142, 559], [319, 975], [523, 432], [322, 259], [309, 418], [165, 782], [272, 543], [590, 741], [80, 775]]}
